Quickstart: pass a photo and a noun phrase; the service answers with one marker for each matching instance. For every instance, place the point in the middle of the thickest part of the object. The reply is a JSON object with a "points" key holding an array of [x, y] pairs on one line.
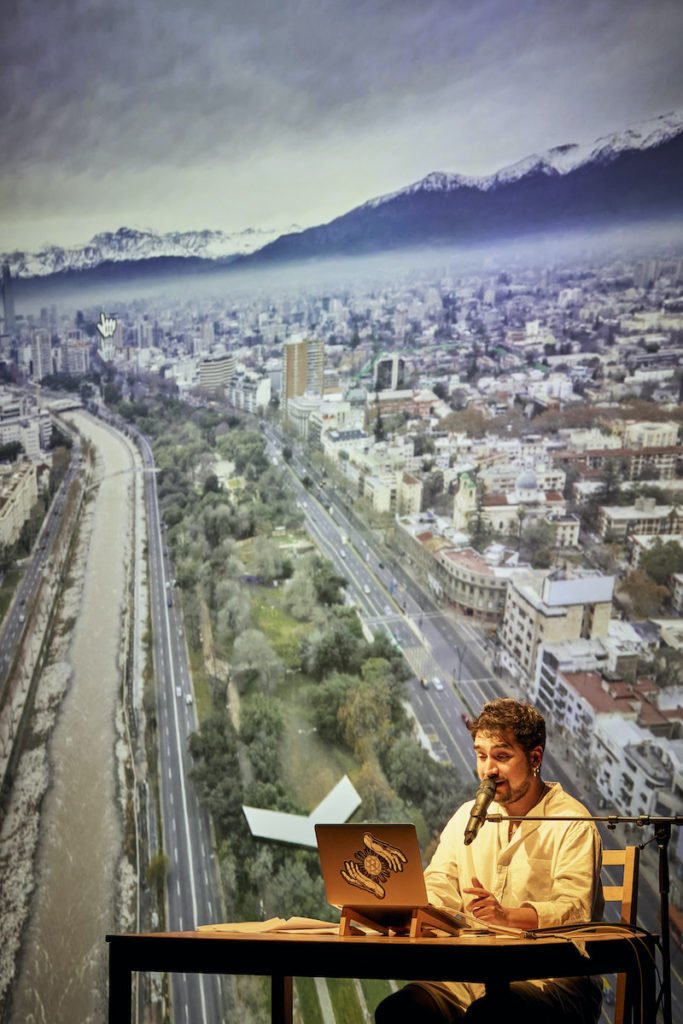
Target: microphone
{"points": [[484, 796]]}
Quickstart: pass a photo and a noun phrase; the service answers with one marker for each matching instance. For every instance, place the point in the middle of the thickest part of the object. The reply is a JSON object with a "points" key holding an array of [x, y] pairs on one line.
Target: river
{"points": [[62, 974]]}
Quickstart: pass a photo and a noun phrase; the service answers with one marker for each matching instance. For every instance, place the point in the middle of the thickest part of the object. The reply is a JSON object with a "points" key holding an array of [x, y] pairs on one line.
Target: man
{"points": [[529, 874]]}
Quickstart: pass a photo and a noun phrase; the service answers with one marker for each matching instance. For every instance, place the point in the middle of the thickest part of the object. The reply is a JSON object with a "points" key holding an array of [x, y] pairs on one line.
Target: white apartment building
{"points": [[74, 357], [650, 435], [502, 477], [397, 491], [215, 371], [566, 527], [249, 392], [546, 608], [641, 543], [41, 354], [18, 495], [645, 516], [299, 413]]}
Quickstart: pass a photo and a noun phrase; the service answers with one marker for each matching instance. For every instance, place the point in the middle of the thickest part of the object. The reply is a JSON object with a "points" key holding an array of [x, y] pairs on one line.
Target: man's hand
{"points": [[486, 908], [484, 905]]}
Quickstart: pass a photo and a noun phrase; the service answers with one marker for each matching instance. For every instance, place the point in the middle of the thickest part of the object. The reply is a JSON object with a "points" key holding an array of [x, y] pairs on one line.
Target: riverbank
{"points": [[94, 606]]}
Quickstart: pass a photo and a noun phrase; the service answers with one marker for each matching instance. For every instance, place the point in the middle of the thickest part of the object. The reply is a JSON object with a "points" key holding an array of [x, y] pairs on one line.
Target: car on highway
{"points": [[436, 683], [188, 698], [366, 588], [178, 691]]}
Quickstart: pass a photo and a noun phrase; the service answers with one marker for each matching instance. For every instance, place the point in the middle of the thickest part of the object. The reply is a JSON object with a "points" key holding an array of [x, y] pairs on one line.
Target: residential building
{"points": [[546, 608], [41, 354], [650, 435], [249, 392], [566, 527], [303, 368], [474, 583], [397, 491], [645, 516], [215, 371], [299, 412], [8, 300], [633, 463], [641, 543], [18, 495], [625, 738]]}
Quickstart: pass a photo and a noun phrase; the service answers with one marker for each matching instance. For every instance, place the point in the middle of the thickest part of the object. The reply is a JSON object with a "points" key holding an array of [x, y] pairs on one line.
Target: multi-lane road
{"points": [[192, 884]]}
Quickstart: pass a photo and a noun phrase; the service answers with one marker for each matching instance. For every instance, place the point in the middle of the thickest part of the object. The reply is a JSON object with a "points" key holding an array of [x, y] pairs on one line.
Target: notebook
{"points": [[375, 869]]}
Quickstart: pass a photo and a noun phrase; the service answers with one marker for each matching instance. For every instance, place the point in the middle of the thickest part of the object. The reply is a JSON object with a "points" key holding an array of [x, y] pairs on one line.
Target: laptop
{"points": [[376, 870]]}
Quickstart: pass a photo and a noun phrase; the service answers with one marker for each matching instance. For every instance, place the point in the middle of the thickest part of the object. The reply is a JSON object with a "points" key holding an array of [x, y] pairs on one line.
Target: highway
{"points": [[192, 885]]}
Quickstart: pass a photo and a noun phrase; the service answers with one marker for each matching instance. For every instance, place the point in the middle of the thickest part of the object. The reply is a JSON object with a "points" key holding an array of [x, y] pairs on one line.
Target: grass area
{"points": [[374, 990], [10, 582], [344, 998], [200, 681], [309, 1004], [284, 633], [302, 748]]}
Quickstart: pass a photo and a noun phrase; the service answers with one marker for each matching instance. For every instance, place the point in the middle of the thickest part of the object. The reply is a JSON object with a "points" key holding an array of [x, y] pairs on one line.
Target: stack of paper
{"points": [[273, 924]]}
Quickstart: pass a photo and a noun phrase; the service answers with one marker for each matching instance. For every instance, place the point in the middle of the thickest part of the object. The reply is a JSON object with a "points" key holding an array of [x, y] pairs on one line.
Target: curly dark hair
{"points": [[525, 723]]}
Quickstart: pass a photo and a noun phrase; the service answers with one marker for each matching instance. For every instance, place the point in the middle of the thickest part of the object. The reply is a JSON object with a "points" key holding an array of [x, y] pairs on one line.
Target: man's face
{"points": [[499, 756]]}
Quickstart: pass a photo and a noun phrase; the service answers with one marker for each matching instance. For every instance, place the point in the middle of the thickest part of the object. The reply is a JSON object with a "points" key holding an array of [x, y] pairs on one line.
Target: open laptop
{"points": [[376, 870]]}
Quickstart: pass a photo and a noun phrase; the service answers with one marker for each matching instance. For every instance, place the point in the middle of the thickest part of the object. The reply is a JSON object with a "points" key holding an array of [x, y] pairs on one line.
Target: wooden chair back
{"points": [[625, 893]]}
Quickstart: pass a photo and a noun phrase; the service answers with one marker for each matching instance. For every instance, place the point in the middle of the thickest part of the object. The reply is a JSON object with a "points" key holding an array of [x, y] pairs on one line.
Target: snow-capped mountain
{"points": [[628, 178], [559, 160], [132, 245]]}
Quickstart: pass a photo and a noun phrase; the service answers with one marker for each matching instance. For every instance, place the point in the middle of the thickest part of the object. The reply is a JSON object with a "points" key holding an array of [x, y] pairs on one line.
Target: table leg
{"points": [[281, 999], [120, 986]]}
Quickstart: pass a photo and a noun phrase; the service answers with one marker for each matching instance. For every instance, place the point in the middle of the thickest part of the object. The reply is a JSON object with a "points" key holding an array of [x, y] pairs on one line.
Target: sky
{"points": [[237, 114]]}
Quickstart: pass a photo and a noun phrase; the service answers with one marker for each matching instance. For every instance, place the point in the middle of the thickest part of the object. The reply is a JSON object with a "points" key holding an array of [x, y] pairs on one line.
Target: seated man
{"points": [[529, 874]]}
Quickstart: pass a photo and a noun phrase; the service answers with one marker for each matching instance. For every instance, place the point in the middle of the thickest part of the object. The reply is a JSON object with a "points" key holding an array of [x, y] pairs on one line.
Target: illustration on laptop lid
{"points": [[371, 866]]}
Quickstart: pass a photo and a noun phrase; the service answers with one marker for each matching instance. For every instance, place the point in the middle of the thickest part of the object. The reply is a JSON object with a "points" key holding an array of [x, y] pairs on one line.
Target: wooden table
{"points": [[482, 958]]}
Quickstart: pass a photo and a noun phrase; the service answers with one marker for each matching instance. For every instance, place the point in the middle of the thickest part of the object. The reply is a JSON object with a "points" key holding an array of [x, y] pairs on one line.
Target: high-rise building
{"points": [[41, 354], [216, 370], [303, 368], [8, 300]]}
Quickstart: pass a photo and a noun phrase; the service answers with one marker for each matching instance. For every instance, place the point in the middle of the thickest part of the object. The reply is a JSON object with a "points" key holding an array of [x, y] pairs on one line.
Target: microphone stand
{"points": [[662, 836]]}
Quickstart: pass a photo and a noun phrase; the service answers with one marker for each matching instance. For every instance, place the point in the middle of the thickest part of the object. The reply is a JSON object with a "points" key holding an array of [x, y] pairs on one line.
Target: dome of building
{"points": [[526, 481]]}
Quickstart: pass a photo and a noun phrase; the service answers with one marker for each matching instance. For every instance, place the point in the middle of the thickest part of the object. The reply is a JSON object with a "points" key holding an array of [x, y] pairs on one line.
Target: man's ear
{"points": [[536, 757]]}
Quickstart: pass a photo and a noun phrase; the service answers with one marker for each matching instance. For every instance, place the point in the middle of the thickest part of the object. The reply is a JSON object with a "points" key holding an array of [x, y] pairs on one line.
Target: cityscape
{"points": [[341, 394], [479, 476]]}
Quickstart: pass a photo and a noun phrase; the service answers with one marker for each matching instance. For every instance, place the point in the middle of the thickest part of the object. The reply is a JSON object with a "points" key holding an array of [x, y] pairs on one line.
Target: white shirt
{"points": [[552, 866]]}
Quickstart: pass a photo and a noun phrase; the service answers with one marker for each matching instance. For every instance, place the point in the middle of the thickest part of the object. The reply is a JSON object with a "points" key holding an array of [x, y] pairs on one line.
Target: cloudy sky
{"points": [[233, 114]]}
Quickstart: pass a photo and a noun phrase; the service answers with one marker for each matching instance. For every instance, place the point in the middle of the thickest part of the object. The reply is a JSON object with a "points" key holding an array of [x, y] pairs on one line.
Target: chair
{"points": [[625, 893]]}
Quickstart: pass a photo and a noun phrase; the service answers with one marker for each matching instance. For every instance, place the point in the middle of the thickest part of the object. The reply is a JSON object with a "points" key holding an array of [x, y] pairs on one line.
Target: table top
{"points": [[464, 957]]}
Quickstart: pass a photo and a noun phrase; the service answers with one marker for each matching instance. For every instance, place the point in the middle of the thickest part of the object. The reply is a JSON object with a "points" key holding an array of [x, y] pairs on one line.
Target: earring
{"points": [[537, 770]]}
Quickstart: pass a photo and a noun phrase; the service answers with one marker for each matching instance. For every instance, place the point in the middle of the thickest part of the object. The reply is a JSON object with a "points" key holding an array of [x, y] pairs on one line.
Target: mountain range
{"points": [[629, 177]]}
